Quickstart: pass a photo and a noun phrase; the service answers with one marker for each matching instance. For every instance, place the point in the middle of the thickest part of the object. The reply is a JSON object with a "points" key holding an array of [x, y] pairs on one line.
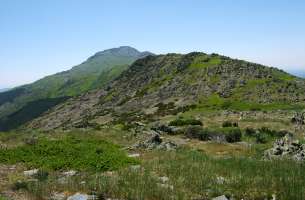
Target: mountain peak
{"points": [[121, 51]]}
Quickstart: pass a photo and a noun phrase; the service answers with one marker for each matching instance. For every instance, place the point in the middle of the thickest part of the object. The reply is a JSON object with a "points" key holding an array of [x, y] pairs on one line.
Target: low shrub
{"points": [[232, 134], [261, 138], [228, 134], [229, 124], [42, 175], [250, 132], [68, 153], [262, 135], [197, 132], [185, 122], [20, 185]]}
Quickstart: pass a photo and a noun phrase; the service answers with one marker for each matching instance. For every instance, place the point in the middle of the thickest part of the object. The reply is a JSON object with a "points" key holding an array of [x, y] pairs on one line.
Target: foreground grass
{"points": [[191, 174]]}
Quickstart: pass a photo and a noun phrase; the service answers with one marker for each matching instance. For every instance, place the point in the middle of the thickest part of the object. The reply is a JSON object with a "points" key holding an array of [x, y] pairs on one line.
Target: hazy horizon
{"points": [[40, 38]]}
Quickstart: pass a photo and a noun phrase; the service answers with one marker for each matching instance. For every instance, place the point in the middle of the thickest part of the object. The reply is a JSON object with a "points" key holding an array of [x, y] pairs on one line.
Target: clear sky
{"points": [[41, 37]]}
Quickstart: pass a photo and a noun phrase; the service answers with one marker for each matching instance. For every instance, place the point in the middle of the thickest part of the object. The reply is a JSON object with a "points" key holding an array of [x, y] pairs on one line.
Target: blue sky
{"points": [[39, 38]]}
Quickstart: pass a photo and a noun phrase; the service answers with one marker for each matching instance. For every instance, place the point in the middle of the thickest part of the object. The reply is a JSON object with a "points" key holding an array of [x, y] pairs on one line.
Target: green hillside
{"points": [[91, 74], [161, 85]]}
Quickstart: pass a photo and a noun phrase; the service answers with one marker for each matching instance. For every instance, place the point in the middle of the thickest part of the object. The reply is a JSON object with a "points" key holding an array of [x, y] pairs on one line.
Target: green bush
{"points": [[273, 133], [229, 124], [229, 134], [261, 138], [250, 132], [20, 185], [68, 153], [232, 134], [42, 175], [197, 132], [185, 122]]}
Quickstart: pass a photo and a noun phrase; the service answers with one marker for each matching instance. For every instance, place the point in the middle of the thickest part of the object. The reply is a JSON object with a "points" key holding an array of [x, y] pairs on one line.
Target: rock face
{"points": [[286, 147]]}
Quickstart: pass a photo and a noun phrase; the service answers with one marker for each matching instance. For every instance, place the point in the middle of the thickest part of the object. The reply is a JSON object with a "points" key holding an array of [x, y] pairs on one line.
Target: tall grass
{"points": [[193, 174]]}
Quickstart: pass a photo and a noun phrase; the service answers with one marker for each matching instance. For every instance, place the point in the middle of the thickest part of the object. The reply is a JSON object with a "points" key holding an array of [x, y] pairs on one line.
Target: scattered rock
{"points": [[79, 196], [135, 167], [135, 155], [166, 186], [109, 173], [220, 180], [156, 142], [164, 179], [286, 147], [69, 173], [168, 146], [139, 124], [223, 197], [31, 172], [58, 196], [171, 130]]}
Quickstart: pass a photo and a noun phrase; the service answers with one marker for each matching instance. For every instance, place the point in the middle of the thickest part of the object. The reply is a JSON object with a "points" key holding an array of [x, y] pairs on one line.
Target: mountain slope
{"points": [[4, 89], [168, 84], [92, 74]]}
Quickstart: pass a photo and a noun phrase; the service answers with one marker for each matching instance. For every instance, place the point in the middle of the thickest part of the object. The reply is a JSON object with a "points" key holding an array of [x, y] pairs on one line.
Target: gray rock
{"points": [[164, 179], [168, 146], [79, 196], [70, 173], [31, 172], [166, 186], [58, 196], [223, 197], [135, 167], [134, 155]]}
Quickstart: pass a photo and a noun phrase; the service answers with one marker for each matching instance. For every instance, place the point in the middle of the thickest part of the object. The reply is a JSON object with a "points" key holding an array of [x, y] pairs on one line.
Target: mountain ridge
{"points": [[163, 84]]}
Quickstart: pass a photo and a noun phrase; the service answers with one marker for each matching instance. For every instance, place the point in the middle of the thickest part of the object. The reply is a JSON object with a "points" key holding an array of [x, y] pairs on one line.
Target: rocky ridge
{"points": [[168, 84]]}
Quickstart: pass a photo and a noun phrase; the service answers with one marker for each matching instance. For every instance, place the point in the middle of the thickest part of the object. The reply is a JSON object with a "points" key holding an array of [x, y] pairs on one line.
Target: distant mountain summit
{"points": [[24, 103], [122, 51]]}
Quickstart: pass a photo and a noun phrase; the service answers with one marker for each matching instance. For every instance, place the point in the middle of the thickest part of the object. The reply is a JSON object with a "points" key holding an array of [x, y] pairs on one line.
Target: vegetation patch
{"points": [[205, 61], [229, 124], [264, 134], [215, 102], [185, 122], [227, 134], [68, 153]]}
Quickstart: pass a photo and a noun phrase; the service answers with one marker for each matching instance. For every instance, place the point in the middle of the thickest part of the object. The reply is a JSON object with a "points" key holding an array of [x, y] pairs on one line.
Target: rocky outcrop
{"points": [[286, 148], [156, 142]]}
